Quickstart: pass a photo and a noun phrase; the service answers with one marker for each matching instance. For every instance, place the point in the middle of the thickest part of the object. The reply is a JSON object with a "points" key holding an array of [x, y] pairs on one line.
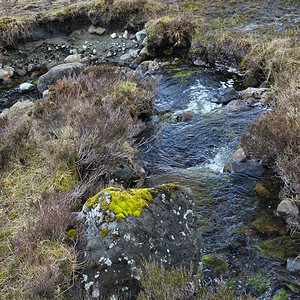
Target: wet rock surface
{"points": [[224, 96], [58, 72], [114, 245]]}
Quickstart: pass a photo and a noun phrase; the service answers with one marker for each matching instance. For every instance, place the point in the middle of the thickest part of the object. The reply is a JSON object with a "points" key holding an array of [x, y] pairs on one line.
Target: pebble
{"points": [[113, 35], [94, 51], [125, 35], [72, 58], [26, 87]]}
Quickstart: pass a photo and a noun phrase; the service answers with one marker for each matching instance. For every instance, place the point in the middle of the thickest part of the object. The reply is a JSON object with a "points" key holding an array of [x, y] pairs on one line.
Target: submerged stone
{"points": [[258, 284], [215, 262], [280, 248], [262, 191], [293, 264], [268, 224]]}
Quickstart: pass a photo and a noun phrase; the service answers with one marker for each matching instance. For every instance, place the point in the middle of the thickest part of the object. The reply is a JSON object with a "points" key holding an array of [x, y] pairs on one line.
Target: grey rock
{"points": [[252, 92], [147, 67], [239, 105], [6, 73], [72, 58], [287, 207], [114, 248], [125, 35], [199, 63], [125, 56], [235, 159], [126, 173], [224, 96], [140, 35], [145, 41], [113, 35], [293, 264], [134, 53], [97, 30], [144, 52], [58, 72], [26, 87]]}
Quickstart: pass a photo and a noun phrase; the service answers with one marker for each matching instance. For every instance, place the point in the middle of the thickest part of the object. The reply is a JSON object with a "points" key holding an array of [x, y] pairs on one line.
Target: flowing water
{"points": [[193, 153]]}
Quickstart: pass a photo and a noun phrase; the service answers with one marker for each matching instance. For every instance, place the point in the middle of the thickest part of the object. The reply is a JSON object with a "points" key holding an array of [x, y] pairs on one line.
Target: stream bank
{"points": [[192, 151]]}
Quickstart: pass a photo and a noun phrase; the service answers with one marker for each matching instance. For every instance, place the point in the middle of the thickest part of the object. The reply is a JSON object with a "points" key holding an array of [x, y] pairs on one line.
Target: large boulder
{"points": [[122, 228], [58, 72]]}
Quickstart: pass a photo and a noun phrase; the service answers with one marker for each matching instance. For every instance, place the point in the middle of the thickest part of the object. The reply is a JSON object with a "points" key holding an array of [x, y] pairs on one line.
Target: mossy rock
{"points": [[215, 262], [267, 224], [262, 191], [280, 248], [280, 295], [258, 284], [182, 75]]}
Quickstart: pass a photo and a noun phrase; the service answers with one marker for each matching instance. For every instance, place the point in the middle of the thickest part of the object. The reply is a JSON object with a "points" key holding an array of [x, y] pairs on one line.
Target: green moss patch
{"points": [[267, 224], [258, 284], [215, 262], [280, 248], [121, 202]]}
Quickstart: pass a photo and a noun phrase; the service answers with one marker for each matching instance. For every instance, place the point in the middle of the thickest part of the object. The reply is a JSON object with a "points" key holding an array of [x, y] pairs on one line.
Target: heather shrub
{"points": [[54, 154], [275, 135]]}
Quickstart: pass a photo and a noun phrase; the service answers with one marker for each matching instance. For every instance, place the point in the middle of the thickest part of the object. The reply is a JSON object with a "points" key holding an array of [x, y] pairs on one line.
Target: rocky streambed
{"points": [[189, 142]]}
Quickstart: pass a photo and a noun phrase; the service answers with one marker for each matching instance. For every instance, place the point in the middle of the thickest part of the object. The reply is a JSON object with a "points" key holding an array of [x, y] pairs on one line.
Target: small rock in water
{"points": [[125, 56], [262, 191], [26, 87], [187, 115], [287, 207], [224, 96], [147, 67], [72, 58], [84, 47], [293, 264], [235, 159], [125, 35], [94, 51], [113, 35], [109, 54]]}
